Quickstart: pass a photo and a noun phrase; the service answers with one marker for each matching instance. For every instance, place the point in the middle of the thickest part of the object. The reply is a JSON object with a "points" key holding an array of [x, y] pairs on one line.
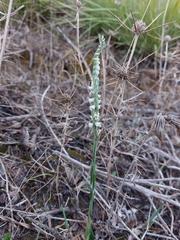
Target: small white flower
{"points": [[96, 71], [95, 98], [99, 106], [91, 100], [96, 116], [98, 124], [92, 107], [90, 125], [90, 88]]}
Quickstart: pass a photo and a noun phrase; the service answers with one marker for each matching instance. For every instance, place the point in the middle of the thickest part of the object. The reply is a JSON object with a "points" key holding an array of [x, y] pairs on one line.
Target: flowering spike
{"points": [[94, 88]]}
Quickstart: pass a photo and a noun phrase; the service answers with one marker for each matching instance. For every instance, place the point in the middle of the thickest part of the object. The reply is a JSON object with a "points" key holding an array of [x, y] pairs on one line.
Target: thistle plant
{"points": [[95, 124], [139, 27], [159, 122]]}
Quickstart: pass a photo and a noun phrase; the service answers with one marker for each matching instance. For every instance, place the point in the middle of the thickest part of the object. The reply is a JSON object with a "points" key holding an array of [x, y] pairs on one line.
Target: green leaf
{"points": [[91, 237], [113, 173], [6, 236], [154, 214], [65, 219]]}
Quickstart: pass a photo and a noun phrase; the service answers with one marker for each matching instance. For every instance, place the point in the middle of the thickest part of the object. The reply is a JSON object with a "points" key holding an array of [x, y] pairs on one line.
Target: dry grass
{"points": [[45, 151]]}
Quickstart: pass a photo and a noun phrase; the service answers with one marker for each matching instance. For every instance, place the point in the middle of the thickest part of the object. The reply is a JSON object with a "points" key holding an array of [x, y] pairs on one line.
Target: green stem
{"points": [[95, 123], [92, 182]]}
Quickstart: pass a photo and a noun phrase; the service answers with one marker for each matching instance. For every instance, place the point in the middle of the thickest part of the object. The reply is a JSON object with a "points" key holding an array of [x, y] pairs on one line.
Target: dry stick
{"points": [[147, 225], [128, 229], [135, 160], [162, 40], [162, 75], [6, 29], [132, 51], [18, 204], [8, 195], [31, 115], [151, 184], [59, 160], [116, 133], [43, 228], [146, 10], [76, 49], [132, 166], [110, 208], [161, 219], [47, 123], [158, 236], [172, 217], [78, 4], [12, 14], [8, 219], [164, 154], [102, 199], [145, 191]]}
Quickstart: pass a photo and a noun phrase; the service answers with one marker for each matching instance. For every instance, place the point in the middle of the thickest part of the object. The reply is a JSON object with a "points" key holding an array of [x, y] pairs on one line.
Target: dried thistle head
{"points": [[158, 125], [167, 38], [122, 73], [24, 138], [78, 4], [174, 70], [119, 71], [138, 27], [111, 33], [172, 119], [65, 99]]}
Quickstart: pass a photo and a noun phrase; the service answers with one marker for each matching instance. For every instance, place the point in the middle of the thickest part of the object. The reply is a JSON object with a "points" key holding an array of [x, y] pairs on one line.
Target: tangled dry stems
{"points": [[136, 173]]}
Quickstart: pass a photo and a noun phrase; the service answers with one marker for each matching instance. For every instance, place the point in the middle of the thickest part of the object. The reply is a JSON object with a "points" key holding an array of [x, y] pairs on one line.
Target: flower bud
{"points": [[139, 27], [167, 38], [78, 4]]}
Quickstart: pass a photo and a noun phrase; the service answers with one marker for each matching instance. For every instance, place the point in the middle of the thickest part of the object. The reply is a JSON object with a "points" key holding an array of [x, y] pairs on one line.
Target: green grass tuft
{"points": [[95, 18]]}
